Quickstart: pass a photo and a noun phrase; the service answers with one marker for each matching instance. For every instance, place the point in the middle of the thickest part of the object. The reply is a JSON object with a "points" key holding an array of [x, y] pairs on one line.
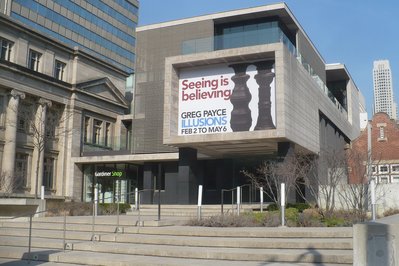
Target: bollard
{"points": [[95, 201], [238, 200], [42, 193], [261, 199], [199, 202], [372, 191], [136, 198], [282, 193]]}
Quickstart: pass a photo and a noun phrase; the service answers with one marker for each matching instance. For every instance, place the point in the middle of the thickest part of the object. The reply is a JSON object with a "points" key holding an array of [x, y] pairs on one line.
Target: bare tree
{"points": [[321, 176], [270, 174]]}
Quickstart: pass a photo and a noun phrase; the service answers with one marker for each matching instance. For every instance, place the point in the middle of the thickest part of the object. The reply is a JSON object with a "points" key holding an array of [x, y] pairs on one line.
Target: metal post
{"points": [[93, 222], [136, 197], [238, 199], [117, 215], [232, 200], [282, 193], [64, 233], [199, 202], [261, 199], [139, 215], [159, 190], [30, 234], [222, 202], [42, 193], [95, 211], [372, 191]]}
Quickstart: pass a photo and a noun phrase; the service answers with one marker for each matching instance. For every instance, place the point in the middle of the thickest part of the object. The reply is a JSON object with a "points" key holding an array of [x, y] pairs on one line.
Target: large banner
{"points": [[227, 98]]}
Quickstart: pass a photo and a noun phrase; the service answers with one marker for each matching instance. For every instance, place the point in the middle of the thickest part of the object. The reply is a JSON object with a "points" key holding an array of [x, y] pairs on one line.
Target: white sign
{"points": [[204, 99]]}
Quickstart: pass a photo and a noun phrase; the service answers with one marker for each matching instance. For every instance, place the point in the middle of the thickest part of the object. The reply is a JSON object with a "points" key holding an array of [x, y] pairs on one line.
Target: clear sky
{"points": [[352, 32]]}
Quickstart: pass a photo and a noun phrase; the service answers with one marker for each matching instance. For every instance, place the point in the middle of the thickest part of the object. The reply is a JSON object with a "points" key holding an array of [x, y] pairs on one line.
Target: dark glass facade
{"points": [[96, 26]]}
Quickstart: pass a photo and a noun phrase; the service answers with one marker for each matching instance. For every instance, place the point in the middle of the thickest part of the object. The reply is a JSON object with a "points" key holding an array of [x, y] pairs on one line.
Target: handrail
{"points": [[232, 195]]}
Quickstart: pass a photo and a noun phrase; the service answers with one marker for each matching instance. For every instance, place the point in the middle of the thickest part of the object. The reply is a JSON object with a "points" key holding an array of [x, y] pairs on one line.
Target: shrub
{"points": [[112, 208], [310, 218], [299, 206], [58, 208], [390, 211], [227, 220]]}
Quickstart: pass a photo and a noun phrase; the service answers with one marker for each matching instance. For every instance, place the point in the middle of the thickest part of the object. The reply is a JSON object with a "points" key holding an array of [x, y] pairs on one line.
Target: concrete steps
{"points": [[172, 245]]}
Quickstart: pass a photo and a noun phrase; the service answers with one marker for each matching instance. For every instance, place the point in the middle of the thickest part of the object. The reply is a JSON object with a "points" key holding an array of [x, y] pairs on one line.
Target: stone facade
{"points": [[47, 92]]}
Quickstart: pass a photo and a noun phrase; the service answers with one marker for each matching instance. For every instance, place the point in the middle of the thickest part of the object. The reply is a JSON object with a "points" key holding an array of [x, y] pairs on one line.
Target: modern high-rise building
{"points": [[384, 100], [103, 28]]}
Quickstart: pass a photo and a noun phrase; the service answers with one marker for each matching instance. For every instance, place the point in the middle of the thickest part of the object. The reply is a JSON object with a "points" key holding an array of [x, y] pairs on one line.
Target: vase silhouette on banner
{"points": [[241, 119]]}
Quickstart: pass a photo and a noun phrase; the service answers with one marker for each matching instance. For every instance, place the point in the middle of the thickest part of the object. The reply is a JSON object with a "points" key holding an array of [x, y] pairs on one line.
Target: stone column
{"points": [[39, 136], [10, 138]]}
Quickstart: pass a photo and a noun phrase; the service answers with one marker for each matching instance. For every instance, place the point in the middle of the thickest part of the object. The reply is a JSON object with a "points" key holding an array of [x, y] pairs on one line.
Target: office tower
{"points": [[103, 28], [384, 100]]}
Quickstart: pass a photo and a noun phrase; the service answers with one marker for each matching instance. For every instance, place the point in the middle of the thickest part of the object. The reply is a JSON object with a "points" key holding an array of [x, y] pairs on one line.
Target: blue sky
{"points": [[354, 32]]}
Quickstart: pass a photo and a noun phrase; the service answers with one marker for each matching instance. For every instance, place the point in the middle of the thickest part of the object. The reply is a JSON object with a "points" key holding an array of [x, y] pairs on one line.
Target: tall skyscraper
{"points": [[104, 28], [384, 100]]}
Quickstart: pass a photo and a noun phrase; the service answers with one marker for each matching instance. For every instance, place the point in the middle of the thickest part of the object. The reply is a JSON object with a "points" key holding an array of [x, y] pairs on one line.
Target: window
{"points": [[384, 169], [395, 168], [97, 127], [383, 179], [374, 169], [107, 137], [59, 69], [6, 48], [48, 173], [395, 179], [2, 110], [382, 133], [34, 60], [21, 170], [86, 130], [25, 113]]}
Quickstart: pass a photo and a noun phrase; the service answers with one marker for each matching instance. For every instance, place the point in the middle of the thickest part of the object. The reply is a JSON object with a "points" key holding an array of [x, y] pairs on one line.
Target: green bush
{"points": [[299, 206]]}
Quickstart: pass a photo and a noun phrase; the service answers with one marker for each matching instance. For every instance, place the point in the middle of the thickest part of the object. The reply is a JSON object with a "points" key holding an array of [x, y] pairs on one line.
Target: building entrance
{"points": [[114, 182]]}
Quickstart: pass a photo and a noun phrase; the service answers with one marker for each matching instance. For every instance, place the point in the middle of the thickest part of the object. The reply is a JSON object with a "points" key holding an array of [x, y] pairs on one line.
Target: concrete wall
{"points": [[376, 243], [153, 46]]}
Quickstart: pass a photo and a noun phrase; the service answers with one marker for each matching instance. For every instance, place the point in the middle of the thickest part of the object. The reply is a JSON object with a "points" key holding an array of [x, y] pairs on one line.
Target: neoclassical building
{"points": [[56, 102]]}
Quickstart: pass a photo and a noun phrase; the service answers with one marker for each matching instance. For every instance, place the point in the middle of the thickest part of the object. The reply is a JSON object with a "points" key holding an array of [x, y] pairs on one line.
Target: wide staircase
{"points": [[133, 240]]}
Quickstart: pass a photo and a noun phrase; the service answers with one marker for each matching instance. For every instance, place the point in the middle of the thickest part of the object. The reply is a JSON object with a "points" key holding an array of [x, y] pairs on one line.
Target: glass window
{"points": [[59, 69], [384, 169], [107, 138], [2, 110], [383, 179], [382, 133], [6, 47], [48, 173], [97, 128], [395, 168], [34, 60], [21, 170], [86, 129]]}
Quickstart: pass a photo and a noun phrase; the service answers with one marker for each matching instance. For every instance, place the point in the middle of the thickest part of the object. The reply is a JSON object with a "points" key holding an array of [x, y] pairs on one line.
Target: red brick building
{"points": [[384, 155]]}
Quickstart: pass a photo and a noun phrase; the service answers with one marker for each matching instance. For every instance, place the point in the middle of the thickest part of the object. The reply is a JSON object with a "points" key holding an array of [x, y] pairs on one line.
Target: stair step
{"points": [[73, 258]]}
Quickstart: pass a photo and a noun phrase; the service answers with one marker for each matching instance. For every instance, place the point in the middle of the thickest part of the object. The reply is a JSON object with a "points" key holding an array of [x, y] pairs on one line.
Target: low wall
{"points": [[10, 207], [376, 243]]}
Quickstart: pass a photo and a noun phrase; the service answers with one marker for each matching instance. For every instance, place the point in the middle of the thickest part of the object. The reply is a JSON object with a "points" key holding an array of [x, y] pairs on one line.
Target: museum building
{"points": [[214, 95], [220, 93]]}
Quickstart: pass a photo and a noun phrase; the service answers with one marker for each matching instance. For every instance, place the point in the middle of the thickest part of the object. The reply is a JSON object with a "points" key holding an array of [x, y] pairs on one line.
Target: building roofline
{"points": [[280, 8]]}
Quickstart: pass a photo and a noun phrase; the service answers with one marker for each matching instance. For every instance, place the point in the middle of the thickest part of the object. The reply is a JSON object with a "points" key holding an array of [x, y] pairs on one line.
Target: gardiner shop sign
{"points": [[226, 98], [108, 173]]}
